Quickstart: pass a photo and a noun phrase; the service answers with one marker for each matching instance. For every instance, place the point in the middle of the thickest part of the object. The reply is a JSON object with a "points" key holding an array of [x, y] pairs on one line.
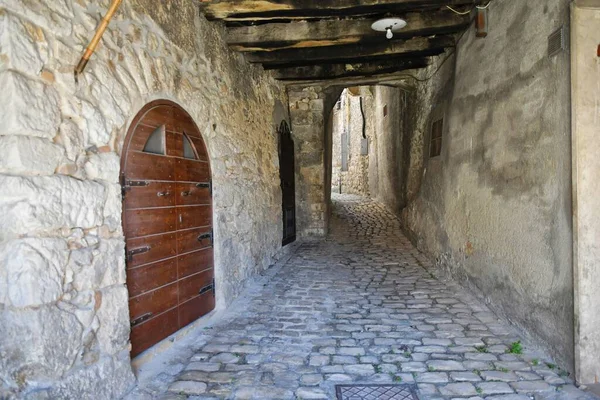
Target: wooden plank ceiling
{"points": [[331, 41]]}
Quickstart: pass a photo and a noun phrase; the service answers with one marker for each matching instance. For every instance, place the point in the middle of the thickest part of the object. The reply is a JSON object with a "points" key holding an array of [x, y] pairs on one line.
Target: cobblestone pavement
{"points": [[362, 306]]}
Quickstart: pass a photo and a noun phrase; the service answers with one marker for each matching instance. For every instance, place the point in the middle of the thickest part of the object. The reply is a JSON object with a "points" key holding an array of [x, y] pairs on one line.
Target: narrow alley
{"points": [[362, 306], [294, 199]]}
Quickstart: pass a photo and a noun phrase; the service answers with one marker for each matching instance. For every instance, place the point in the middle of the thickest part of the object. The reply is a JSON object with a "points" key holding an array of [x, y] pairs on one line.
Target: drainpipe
{"points": [[96, 39]]}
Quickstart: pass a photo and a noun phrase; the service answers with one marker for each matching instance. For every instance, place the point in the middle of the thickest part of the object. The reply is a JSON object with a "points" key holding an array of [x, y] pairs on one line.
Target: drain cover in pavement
{"points": [[375, 392]]}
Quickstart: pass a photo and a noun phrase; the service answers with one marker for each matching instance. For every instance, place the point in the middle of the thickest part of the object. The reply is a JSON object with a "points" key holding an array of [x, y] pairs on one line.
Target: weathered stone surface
{"points": [[22, 45], [28, 355], [91, 383], [103, 166], [32, 271], [504, 191], [70, 138], [42, 204], [23, 155], [458, 389], [97, 266], [27, 107], [190, 388], [113, 319]]}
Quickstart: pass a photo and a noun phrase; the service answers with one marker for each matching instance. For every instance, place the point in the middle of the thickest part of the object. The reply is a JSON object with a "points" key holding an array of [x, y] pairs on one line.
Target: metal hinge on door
{"points": [[141, 319], [127, 185], [207, 235], [139, 250], [206, 185], [208, 288]]}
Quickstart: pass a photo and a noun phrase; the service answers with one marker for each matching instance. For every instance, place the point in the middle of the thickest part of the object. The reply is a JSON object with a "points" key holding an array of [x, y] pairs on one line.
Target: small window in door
{"points": [[156, 142], [435, 145], [188, 148]]}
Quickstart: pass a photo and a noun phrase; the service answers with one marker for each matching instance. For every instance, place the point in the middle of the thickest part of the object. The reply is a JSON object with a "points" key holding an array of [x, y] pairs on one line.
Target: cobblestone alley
{"points": [[363, 306]]}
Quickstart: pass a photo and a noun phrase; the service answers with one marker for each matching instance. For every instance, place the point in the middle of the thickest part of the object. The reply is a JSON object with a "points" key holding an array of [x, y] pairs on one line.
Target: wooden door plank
{"points": [[190, 286], [149, 277], [195, 308], [150, 222], [146, 166], [155, 302], [193, 263], [194, 216], [159, 116], [151, 332], [191, 171], [156, 194], [188, 240], [160, 247], [188, 194]]}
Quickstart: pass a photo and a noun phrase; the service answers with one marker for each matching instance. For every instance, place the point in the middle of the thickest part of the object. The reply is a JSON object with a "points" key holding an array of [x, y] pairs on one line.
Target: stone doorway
{"points": [[167, 222]]}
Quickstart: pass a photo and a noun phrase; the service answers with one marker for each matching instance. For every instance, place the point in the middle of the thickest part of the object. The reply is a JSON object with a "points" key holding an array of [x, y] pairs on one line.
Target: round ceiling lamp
{"points": [[389, 26]]}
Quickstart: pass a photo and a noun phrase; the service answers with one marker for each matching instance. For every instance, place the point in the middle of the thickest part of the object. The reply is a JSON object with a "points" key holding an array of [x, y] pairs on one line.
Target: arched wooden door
{"points": [[167, 220], [287, 172]]}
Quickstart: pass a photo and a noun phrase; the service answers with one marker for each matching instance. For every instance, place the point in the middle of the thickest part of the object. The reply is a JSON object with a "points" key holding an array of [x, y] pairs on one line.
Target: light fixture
{"points": [[389, 26]]}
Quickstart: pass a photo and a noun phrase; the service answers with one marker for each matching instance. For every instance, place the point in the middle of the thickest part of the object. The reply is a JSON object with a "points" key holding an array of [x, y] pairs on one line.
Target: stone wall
{"points": [[309, 113], [390, 131], [495, 208], [64, 317], [349, 119]]}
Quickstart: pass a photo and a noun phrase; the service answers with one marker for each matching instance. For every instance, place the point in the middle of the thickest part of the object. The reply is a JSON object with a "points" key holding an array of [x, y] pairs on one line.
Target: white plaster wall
{"points": [[64, 319]]}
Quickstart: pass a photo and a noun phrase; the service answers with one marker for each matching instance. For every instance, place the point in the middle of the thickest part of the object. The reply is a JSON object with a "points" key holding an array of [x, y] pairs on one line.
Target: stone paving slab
{"points": [[363, 306]]}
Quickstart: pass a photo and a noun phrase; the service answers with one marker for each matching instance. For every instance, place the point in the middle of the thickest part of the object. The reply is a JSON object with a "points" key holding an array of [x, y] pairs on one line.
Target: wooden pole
{"points": [[96, 39]]}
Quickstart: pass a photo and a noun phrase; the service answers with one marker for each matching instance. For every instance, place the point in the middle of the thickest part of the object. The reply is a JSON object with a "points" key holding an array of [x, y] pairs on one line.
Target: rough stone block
{"points": [[109, 378], [42, 204], [32, 271], [103, 166], [24, 155], [28, 107], [98, 266], [37, 344], [55, 16], [71, 138], [96, 132], [23, 44], [113, 318]]}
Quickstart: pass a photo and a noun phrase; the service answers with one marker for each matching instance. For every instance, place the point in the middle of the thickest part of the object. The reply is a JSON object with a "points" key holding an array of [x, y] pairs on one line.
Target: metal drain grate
{"points": [[375, 392]]}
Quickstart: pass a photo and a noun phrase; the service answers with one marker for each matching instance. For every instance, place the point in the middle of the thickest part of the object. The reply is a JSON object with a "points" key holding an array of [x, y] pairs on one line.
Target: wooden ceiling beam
{"points": [[338, 71], [324, 33], [265, 10], [353, 53]]}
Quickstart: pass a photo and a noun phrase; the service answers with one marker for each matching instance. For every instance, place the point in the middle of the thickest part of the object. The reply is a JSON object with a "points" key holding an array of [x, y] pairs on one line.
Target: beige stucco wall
{"points": [[64, 317], [585, 39], [495, 209]]}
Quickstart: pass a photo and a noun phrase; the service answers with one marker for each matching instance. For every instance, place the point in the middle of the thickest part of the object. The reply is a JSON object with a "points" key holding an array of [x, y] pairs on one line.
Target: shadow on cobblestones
{"points": [[361, 307]]}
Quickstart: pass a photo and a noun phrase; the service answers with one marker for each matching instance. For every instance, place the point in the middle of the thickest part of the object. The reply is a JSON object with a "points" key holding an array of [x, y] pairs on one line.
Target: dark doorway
{"points": [[288, 184], [167, 220]]}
